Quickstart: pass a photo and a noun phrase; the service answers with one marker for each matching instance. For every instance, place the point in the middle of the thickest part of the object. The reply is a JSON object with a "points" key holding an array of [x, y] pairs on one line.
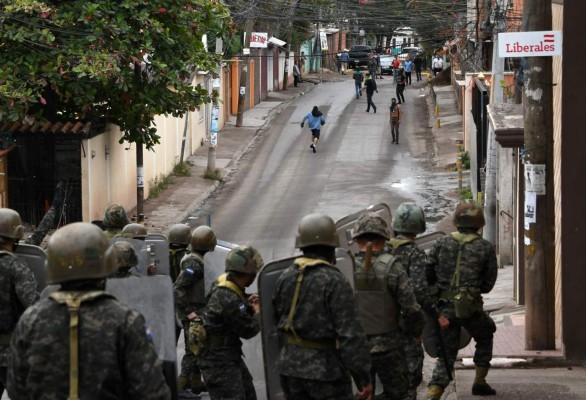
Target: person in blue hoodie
{"points": [[315, 119]]}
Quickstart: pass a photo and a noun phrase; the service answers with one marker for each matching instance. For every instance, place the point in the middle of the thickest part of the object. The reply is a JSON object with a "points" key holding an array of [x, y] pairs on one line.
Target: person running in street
{"points": [[400, 85], [315, 119], [370, 86], [358, 79], [395, 117]]}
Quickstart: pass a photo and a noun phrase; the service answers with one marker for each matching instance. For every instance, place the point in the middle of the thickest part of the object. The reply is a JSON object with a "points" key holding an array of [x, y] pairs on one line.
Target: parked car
{"points": [[386, 64], [359, 55]]}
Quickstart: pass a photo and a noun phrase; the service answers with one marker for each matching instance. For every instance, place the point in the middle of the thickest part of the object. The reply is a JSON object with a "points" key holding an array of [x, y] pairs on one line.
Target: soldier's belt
{"points": [[5, 339], [311, 343]]}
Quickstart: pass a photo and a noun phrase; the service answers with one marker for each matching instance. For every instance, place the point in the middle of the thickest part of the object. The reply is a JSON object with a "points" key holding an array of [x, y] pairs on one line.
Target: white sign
{"points": [[323, 40], [535, 178], [530, 44], [530, 208], [259, 39]]}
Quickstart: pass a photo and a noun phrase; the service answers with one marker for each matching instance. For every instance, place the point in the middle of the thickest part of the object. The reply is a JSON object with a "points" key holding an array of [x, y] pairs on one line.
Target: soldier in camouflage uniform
{"points": [[115, 355], [126, 259], [179, 237], [387, 305], [315, 310], [115, 220], [18, 287], [464, 266], [189, 290], [230, 315], [48, 220], [408, 221]]}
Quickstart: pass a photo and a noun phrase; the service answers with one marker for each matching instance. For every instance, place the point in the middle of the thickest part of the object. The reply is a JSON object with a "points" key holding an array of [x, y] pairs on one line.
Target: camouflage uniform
{"points": [[387, 351], [414, 261], [227, 319], [115, 219], [175, 257], [18, 290], [192, 274], [48, 220], [326, 312]]}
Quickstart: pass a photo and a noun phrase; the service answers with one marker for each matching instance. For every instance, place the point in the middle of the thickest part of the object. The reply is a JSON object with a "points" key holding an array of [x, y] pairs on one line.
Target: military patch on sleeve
{"points": [[189, 271], [149, 334], [242, 307]]}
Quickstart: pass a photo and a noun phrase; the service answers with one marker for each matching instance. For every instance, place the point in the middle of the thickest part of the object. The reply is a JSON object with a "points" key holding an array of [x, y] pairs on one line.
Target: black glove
{"points": [[323, 122], [302, 125]]}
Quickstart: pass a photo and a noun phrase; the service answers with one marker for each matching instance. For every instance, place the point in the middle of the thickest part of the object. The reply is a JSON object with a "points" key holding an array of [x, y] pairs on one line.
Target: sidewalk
{"points": [[517, 373]]}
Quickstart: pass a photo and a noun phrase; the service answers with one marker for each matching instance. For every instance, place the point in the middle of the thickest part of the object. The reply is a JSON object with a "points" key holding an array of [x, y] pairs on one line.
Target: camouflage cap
{"points": [[244, 259], [115, 217], [409, 218], [468, 214], [126, 256], [371, 223], [10, 224]]}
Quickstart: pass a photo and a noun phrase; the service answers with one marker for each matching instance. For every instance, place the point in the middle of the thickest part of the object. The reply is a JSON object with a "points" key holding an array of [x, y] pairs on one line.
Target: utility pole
{"points": [[290, 12], [539, 196], [244, 73]]}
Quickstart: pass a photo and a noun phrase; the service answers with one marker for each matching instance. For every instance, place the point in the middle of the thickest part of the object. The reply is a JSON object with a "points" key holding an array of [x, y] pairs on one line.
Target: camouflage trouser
{"points": [[391, 368], [481, 327], [304, 389], [190, 375], [414, 356], [230, 380]]}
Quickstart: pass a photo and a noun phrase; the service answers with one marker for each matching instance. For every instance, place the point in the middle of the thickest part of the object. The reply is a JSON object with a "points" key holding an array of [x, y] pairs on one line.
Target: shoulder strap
{"points": [[396, 243], [302, 263], [224, 282], [462, 238], [73, 301]]}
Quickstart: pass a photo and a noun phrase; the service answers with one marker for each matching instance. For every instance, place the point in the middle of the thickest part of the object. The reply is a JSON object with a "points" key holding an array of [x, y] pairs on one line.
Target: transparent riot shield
{"points": [[34, 257], [158, 252], [345, 224], [271, 344], [215, 263], [142, 253]]}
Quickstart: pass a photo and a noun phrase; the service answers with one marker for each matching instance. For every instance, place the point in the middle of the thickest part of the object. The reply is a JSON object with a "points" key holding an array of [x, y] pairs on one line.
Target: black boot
{"points": [[483, 389]]}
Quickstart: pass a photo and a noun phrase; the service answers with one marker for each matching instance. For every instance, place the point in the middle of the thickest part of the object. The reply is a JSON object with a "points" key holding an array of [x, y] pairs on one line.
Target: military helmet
{"points": [[203, 239], [317, 229], [468, 214], [126, 255], [409, 218], [79, 251], [179, 234], [10, 224], [137, 231], [371, 223], [115, 217], [244, 259]]}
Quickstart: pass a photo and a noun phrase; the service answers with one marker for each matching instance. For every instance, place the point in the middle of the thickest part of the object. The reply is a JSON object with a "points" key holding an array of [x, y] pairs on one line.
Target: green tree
{"points": [[121, 60]]}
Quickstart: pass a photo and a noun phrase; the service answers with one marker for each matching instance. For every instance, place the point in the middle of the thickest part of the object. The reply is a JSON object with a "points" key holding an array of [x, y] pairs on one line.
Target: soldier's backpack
{"points": [[198, 335]]}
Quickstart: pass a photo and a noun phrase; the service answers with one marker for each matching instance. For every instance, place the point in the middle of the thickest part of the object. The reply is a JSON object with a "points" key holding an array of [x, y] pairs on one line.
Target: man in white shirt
{"points": [[437, 64]]}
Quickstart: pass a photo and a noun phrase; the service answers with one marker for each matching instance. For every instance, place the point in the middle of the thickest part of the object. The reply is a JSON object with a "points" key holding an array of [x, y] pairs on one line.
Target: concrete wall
{"points": [[505, 207], [111, 178]]}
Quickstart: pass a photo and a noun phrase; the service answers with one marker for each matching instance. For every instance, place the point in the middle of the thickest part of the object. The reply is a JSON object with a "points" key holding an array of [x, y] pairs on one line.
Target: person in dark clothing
{"points": [[418, 62], [370, 86], [400, 86]]}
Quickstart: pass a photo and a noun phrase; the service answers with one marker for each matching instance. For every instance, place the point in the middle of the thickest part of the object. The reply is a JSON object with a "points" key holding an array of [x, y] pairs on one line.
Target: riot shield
{"points": [[142, 253], [345, 224], [34, 257], [215, 263], [431, 338], [426, 242], [158, 251], [271, 345]]}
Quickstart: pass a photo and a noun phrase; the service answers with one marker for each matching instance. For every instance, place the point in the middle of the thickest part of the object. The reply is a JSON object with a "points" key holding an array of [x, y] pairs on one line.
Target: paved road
{"points": [[280, 179]]}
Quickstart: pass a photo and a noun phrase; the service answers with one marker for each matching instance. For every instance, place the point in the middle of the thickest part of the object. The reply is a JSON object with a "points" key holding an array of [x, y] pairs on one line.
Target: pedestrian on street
{"points": [[418, 62], [344, 59], [370, 86], [408, 67], [396, 65], [315, 311], [463, 266], [437, 64], [379, 70], [386, 304], [80, 342], [296, 75], [230, 315], [400, 88], [316, 119], [358, 79], [18, 286], [395, 119], [372, 66], [189, 291], [409, 221]]}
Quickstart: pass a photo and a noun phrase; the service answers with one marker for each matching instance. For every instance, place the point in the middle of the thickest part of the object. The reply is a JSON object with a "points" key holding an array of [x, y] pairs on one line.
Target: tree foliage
{"points": [[122, 60]]}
